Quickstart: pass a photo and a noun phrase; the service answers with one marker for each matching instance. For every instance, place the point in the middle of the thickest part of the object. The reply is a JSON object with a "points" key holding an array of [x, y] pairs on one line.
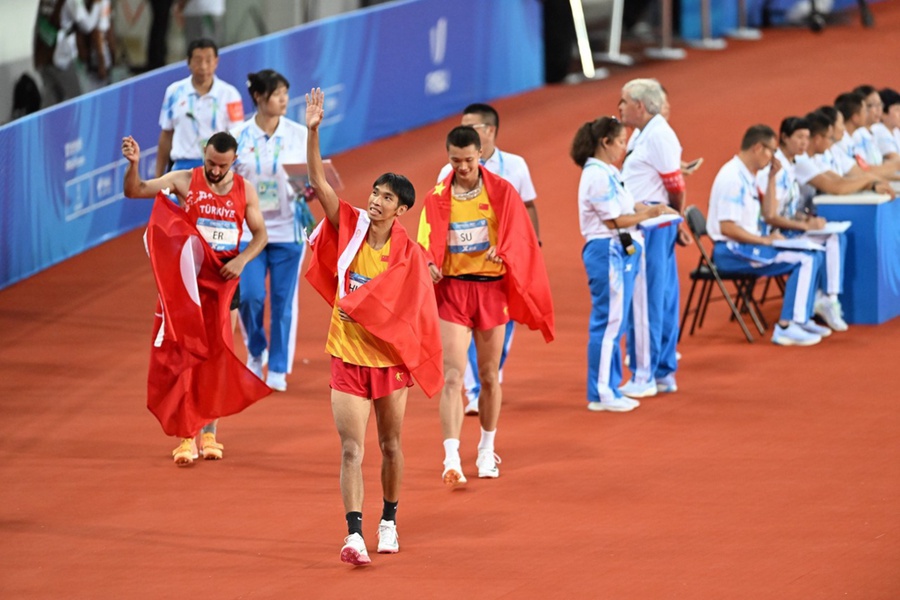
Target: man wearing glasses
{"points": [[740, 247], [484, 119]]}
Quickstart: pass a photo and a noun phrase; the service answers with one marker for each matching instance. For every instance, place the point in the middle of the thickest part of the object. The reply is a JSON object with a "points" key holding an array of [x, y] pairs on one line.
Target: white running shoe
{"points": [[633, 389], [256, 363], [472, 407], [794, 335], [388, 542], [277, 381], [453, 476], [815, 329], [620, 404], [830, 312], [354, 551], [487, 463]]}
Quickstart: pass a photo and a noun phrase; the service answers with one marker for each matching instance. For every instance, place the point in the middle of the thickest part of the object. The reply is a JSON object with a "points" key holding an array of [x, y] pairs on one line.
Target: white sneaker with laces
{"points": [[453, 476], [388, 542], [256, 363], [487, 463], [633, 389], [794, 335], [354, 551], [620, 404], [472, 407], [830, 312], [277, 381]]}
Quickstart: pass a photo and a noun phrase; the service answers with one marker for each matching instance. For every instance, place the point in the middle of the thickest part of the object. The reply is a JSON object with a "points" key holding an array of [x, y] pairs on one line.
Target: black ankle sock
{"points": [[390, 511], [354, 523]]}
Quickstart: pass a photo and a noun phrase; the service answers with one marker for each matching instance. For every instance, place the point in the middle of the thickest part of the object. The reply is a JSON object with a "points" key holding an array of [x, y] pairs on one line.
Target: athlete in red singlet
{"points": [[218, 202]]}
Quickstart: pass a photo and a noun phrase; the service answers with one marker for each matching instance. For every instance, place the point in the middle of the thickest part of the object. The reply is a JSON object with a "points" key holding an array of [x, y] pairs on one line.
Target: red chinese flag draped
{"points": [[194, 375]]}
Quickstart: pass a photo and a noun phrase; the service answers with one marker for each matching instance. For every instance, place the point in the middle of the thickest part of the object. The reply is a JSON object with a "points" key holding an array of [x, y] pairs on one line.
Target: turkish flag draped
{"points": [[194, 375]]}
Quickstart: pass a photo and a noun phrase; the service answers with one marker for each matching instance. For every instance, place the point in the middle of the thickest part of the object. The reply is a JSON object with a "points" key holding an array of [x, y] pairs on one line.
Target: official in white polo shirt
{"points": [[195, 108], [740, 246], [787, 213], [652, 174], [266, 142], [513, 168], [887, 130]]}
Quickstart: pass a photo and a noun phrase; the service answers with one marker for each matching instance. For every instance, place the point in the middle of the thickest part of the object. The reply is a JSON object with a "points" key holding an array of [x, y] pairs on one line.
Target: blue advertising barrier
{"points": [[385, 70], [725, 15]]}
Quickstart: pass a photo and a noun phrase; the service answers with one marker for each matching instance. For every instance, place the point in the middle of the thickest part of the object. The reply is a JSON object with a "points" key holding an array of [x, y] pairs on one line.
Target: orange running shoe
{"points": [[209, 448], [185, 453]]}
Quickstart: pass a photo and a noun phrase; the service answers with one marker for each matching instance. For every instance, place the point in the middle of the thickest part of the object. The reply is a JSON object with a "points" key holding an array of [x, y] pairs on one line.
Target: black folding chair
{"points": [[708, 276]]}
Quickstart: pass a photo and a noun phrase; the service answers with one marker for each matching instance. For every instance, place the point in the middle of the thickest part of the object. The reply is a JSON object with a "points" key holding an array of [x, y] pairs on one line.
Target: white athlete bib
{"points": [[468, 237], [220, 235]]}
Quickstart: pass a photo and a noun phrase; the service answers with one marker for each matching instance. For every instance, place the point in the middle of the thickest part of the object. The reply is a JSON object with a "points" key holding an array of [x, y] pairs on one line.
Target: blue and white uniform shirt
{"points": [[866, 146], [787, 188], [734, 197], [260, 160], [194, 118], [887, 141], [602, 197]]}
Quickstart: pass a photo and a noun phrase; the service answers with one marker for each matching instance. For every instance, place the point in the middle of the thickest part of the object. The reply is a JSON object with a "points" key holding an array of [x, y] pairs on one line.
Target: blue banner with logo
{"points": [[385, 70]]}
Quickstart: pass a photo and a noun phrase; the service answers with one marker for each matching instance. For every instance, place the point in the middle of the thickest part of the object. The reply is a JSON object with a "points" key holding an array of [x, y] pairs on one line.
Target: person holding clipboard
{"points": [[267, 142]]}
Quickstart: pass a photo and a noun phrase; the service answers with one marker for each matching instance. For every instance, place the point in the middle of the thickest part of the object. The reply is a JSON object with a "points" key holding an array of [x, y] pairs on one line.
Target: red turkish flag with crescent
{"points": [[194, 377]]}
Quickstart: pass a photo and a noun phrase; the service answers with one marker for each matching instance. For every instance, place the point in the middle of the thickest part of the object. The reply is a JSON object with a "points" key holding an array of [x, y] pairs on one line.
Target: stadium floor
{"points": [[772, 473]]}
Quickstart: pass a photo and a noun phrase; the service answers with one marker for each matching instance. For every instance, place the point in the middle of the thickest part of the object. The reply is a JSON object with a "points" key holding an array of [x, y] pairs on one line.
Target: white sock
{"points": [[451, 449], [833, 297], [487, 440]]}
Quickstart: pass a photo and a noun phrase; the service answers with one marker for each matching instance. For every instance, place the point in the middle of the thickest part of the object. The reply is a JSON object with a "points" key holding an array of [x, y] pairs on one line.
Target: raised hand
{"points": [[315, 108], [130, 149]]}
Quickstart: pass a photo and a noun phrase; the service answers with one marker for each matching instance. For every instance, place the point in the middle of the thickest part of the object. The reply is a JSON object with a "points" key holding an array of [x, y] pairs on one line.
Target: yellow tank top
{"points": [[349, 341], [472, 231]]}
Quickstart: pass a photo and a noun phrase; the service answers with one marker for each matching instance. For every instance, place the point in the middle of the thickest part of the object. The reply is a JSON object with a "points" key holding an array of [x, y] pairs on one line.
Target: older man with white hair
{"points": [[652, 173]]}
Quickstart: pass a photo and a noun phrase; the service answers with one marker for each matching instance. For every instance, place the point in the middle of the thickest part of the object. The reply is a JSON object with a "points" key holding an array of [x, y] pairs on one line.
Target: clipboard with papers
{"points": [[831, 227], [298, 175], [797, 243]]}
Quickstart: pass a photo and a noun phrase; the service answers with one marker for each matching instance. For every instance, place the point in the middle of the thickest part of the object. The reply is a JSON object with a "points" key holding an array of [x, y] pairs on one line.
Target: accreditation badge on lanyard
{"points": [[267, 188]]}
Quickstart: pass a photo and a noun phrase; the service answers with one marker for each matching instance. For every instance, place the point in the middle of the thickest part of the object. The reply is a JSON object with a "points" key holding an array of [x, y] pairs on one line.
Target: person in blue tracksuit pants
{"points": [[652, 173], [266, 142], [734, 224], [611, 254]]}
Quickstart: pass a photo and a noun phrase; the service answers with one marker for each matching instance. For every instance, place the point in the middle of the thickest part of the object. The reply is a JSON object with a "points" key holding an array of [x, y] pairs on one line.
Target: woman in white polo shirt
{"points": [[266, 142], [611, 254]]}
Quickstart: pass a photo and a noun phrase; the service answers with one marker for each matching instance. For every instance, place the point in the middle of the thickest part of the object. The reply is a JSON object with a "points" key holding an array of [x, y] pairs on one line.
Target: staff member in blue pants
{"points": [[266, 142], [611, 254]]}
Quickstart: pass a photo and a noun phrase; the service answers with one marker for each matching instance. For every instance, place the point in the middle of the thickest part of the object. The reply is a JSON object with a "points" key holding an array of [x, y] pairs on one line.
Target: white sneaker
{"points": [[487, 463], [815, 329], [666, 385], [472, 407], [453, 476], [620, 404], [354, 551], [633, 389], [830, 312], [794, 335], [388, 543], [256, 363], [277, 381]]}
